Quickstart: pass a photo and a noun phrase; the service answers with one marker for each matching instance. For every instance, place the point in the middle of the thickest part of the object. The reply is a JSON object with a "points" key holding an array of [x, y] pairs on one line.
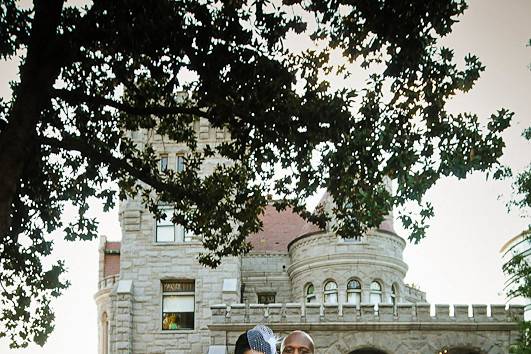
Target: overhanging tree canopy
{"points": [[89, 74]]}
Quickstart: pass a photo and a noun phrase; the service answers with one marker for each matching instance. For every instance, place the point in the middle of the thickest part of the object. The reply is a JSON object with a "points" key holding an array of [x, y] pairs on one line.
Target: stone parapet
{"points": [[108, 282], [412, 294], [387, 316]]}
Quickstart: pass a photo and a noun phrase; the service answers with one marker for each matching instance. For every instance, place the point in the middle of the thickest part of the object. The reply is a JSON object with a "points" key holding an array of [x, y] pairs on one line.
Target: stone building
{"points": [[349, 294]]}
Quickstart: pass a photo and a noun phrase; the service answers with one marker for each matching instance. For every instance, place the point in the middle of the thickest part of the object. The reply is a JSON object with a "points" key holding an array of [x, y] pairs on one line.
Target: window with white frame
{"points": [[179, 163], [266, 298], [178, 305], [330, 292], [376, 293], [353, 292], [163, 163], [310, 293], [167, 231]]}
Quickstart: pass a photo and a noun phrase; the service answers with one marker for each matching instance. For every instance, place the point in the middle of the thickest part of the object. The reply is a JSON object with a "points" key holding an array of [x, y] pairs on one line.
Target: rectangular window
{"points": [[179, 163], [375, 298], [268, 298], [178, 304], [354, 297], [167, 231], [163, 163]]}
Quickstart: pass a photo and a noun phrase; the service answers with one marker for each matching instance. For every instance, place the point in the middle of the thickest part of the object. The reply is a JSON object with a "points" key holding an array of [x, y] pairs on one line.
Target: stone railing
{"points": [[415, 293], [330, 313], [108, 281]]}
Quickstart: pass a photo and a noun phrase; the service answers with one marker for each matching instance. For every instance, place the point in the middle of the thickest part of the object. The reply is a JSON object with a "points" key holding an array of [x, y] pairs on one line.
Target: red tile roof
{"points": [[280, 228], [113, 245]]}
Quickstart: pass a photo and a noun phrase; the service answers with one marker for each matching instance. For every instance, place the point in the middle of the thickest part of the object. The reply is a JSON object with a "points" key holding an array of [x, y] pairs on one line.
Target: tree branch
{"points": [[75, 98], [106, 157]]}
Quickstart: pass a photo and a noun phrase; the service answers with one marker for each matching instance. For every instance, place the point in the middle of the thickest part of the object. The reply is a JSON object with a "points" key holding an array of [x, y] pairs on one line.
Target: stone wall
{"points": [[152, 263], [266, 273]]}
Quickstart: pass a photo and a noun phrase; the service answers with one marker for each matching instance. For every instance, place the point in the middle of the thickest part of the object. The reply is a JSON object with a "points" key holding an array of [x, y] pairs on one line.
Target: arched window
{"points": [[376, 293], [394, 294], [330, 292], [104, 333], [353, 292], [310, 293]]}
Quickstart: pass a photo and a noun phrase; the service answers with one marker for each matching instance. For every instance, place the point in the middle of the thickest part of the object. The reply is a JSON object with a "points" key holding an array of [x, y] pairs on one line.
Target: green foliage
{"points": [[522, 183], [90, 74], [523, 345], [518, 268]]}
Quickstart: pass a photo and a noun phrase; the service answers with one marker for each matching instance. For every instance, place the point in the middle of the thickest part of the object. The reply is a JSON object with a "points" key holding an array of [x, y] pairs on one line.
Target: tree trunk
{"points": [[37, 76]]}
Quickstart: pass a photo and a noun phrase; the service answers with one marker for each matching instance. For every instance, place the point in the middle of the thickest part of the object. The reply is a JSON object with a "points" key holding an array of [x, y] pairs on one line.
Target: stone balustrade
{"points": [[108, 282], [314, 313]]}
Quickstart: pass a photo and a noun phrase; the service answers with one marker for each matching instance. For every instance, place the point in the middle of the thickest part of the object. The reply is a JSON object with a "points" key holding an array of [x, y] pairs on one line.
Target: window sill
{"points": [[176, 331], [191, 243]]}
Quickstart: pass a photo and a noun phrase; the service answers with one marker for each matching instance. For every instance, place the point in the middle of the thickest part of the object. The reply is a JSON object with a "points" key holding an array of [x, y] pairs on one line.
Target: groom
{"points": [[297, 342]]}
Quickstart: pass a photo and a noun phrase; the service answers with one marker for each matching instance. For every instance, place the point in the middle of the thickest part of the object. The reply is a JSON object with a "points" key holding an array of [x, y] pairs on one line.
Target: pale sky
{"points": [[458, 262]]}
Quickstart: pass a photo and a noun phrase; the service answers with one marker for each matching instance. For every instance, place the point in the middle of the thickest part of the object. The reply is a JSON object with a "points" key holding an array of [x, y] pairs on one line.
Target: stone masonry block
{"points": [[351, 313], [461, 312], [442, 312], [293, 312], [405, 312], [312, 312], [368, 312], [331, 313], [516, 312], [274, 312], [498, 313], [256, 313], [238, 313], [423, 311], [386, 312], [479, 312]]}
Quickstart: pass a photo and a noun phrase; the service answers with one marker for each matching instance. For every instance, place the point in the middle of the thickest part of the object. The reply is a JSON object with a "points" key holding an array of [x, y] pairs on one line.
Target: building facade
{"points": [[349, 294]]}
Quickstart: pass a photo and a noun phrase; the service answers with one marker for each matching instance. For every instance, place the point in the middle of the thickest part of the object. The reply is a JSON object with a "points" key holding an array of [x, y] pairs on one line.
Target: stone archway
{"points": [[367, 351]]}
